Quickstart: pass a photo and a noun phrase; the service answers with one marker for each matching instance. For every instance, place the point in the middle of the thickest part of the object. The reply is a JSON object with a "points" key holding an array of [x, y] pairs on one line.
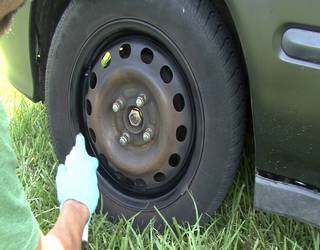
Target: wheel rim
{"points": [[138, 115]]}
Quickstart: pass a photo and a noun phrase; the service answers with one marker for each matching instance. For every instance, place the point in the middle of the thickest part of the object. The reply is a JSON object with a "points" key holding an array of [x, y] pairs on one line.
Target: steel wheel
{"points": [[139, 115]]}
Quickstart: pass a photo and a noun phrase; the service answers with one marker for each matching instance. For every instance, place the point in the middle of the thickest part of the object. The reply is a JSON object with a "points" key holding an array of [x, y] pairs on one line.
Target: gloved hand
{"points": [[77, 179]]}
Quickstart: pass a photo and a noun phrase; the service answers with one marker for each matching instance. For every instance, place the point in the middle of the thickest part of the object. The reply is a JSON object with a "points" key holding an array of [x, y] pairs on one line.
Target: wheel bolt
{"points": [[147, 135], [117, 105], [124, 139], [141, 100]]}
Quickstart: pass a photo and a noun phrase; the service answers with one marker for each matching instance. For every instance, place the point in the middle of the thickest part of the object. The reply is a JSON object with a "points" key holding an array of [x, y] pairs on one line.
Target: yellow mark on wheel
{"points": [[106, 60]]}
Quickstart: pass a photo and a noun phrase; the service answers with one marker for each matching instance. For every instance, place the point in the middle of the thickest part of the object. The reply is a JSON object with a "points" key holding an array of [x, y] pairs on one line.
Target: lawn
{"points": [[236, 225]]}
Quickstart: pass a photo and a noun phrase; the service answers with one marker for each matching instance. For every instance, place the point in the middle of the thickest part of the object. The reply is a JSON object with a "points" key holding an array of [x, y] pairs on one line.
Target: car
{"points": [[166, 91]]}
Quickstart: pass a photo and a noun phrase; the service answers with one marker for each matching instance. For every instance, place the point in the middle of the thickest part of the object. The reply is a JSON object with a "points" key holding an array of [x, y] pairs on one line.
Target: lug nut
{"points": [[124, 139], [117, 105], [141, 100], [147, 135], [135, 117]]}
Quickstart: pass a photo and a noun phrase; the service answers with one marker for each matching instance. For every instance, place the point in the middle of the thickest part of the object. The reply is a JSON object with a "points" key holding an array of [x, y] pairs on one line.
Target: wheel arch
{"points": [[44, 17], [225, 12]]}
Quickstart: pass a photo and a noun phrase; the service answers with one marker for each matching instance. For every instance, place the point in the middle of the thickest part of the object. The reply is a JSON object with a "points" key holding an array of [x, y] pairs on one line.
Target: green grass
{"points": [[236, 225]]}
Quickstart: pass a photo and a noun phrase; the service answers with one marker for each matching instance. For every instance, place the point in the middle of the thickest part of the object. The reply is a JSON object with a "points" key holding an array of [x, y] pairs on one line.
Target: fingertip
{"points": [[80, 141]]}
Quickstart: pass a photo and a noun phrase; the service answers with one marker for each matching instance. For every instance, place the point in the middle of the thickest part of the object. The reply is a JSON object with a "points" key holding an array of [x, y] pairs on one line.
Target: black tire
{"points": [[201, 37]]}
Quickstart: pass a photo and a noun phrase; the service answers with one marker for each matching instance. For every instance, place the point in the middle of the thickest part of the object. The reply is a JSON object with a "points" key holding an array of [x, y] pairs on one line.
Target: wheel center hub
{"points": [[135, 117]]}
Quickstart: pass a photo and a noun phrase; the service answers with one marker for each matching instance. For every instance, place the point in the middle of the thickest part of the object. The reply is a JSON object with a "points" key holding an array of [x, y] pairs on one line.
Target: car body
{"points": [[280, 44]]}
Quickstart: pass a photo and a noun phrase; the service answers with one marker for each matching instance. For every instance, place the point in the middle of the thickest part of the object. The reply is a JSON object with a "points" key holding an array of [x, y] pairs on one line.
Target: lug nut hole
{"points": [[166, 74], [147, 56], [92, 134], [93, 80], [89, 107], [178, 102], [181, 133], [159, 177], [125, 51], [174, 160]]}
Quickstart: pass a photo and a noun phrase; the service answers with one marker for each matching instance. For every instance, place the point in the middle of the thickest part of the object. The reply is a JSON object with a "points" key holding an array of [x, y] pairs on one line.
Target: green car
{"points": [[165, 91]]}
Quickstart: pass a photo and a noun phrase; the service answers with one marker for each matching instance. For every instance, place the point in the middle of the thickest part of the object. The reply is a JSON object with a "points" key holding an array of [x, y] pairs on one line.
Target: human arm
{"points": [[63, 235], [7, 9], [18, 227], [78, 194], [7, 6]]}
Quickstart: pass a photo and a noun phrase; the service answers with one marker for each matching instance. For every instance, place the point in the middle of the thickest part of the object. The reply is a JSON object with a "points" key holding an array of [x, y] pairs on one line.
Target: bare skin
{"points": [[67, 232], [7, 9], [7, 6]]}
